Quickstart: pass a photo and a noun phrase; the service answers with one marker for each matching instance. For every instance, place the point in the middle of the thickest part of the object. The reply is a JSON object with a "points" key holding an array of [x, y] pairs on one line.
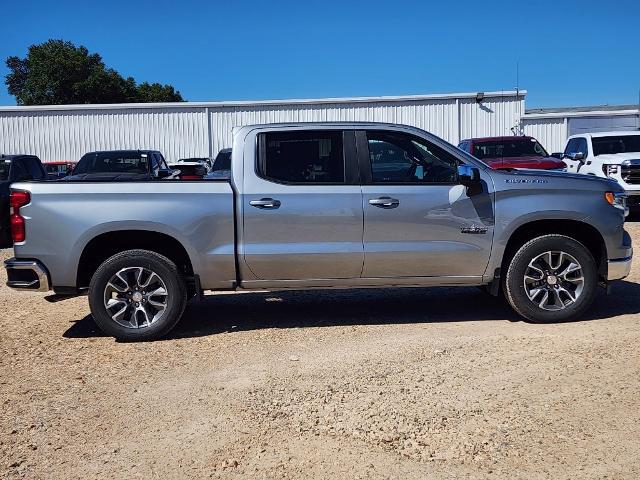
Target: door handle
{"points": [[265, 203], [384, 202]]}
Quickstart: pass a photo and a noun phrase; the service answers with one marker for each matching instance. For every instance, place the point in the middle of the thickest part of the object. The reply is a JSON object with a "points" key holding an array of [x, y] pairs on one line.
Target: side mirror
{"points": [[468, 176], [164, 172], [558, 155], [577, 156]]}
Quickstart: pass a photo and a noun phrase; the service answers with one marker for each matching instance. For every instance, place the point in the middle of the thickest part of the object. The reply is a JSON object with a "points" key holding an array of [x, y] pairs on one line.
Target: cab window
{"points": [[402, 158], [303, 157]]}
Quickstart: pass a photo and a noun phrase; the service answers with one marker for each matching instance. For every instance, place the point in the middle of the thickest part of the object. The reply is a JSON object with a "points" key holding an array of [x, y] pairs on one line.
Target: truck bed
{"points": [[63, 217]]}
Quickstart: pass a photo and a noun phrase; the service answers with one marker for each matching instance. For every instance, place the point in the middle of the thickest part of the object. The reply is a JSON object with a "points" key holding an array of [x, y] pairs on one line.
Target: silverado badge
{"points": [[474, 229]]}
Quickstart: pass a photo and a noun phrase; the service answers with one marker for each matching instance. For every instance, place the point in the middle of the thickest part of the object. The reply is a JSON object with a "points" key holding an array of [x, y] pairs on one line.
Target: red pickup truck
{"points": [[511, 152]]}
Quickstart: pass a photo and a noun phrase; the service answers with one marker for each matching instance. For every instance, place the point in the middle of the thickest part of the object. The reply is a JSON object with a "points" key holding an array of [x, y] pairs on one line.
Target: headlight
{"points": [[610, 170], [617, 200]]}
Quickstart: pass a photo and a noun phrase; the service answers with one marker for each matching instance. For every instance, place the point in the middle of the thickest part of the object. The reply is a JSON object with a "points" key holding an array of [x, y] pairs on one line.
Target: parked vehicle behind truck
{"points": [[14, 168], [58, 170], [614, 155], [189, 170], [511, 152], [121, 165], [323, 205]]}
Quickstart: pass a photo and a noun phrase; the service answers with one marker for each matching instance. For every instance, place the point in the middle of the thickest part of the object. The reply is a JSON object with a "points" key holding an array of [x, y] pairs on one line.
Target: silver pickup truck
{"points": [[325, 205]]}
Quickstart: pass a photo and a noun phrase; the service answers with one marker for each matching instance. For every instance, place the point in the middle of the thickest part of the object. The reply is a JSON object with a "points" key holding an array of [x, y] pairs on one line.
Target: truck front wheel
{"points": [[137, 295], [552, 278]]}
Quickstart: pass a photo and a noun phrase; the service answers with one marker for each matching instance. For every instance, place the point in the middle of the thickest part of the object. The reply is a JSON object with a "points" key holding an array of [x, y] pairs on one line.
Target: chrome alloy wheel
{"points": [[553, 280], [135, 297]]}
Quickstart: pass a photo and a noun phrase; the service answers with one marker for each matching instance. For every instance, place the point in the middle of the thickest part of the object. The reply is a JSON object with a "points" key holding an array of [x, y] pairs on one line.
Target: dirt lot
{"points": [[407, 383]]}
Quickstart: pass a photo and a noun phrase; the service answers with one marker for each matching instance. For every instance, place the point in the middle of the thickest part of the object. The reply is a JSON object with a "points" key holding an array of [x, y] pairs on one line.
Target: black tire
{"points": [[514, 288], [174, 300]]}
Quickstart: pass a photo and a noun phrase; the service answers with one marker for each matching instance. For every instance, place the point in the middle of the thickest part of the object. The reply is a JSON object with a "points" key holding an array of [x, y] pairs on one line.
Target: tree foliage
{"points": [[58, 72]]}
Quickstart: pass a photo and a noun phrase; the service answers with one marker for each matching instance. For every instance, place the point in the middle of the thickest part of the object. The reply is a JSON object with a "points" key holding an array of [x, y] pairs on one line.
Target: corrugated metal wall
{"points": [[492, 118], [550, 132], [603, 124], [184, 131], [68, 134]]}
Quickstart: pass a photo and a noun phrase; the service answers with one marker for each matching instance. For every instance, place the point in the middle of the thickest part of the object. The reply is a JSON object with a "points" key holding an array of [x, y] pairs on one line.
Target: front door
{"points": [[302, 209], [418, 221], [575, 146]]}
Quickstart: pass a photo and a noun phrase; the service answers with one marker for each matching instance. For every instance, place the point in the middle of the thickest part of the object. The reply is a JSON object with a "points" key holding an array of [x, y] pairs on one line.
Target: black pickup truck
{"points": [[120, 166], [15, 168]]}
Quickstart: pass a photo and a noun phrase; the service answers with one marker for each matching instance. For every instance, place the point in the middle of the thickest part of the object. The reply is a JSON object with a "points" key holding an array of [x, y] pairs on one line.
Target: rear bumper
{"points": [[619, 268], [27, 275]]}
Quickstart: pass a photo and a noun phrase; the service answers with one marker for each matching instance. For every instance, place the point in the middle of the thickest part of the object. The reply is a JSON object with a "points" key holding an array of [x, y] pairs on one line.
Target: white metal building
{"points": [[190, 129], [201, 129], [552, 126]]}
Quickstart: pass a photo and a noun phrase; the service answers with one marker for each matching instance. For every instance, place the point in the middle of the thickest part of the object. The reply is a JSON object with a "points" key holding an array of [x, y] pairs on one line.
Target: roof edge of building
{"points": [[275, 102]]}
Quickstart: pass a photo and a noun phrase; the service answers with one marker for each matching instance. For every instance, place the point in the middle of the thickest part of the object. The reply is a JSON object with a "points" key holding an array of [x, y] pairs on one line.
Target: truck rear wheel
{"points": [[552, 278], [137, 295]]}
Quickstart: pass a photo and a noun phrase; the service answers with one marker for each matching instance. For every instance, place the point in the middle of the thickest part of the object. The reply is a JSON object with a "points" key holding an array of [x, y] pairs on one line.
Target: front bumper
{"points": [[27, 275], [619, 268], [633, 199]]}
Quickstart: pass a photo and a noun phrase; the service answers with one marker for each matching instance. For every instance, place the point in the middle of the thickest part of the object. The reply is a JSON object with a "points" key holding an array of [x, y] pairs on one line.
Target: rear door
{"points": [[302, 206], [418, 220]]}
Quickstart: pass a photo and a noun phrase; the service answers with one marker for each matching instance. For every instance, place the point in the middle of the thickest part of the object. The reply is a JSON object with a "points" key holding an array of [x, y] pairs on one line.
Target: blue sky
{"points": [[569, 52]]}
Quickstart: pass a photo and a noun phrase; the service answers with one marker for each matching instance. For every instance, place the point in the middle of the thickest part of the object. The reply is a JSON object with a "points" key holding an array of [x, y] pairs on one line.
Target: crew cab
{"points": [[14, 168], [121, 165], [511, 152], [614, 155], [322, 205]]}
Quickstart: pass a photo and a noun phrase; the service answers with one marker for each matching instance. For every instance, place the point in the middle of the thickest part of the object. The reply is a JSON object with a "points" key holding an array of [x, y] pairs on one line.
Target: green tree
{"points": [[155, 92], [58, 72]]}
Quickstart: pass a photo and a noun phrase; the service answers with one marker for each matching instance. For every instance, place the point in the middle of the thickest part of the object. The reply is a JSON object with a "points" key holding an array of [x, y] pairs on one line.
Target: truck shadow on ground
{"points": [[326, 308]]}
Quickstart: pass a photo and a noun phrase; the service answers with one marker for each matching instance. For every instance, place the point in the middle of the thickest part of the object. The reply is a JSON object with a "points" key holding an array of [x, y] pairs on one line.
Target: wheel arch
{"points": [[581, 231], [107, 244]]}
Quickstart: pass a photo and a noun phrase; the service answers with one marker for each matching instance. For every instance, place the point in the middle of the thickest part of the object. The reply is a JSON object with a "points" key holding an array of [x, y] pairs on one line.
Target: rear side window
{"points": [[306, 157]]}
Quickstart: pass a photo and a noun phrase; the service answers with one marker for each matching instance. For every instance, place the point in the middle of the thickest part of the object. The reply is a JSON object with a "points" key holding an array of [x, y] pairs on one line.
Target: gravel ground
{"points": [[396, 383]]}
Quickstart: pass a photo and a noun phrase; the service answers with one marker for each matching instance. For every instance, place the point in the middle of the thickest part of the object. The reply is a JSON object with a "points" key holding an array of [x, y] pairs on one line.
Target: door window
{"points": [[402, 158], [576, 145], [305, 157]]}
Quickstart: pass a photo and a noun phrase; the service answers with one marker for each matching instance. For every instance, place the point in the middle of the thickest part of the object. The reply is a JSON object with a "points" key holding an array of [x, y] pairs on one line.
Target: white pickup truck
{"points": [[614, 155]]}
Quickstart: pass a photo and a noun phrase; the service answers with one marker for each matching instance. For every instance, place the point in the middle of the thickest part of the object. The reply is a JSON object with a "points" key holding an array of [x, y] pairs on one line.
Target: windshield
{"points": [[613, 145], [223, 161], [116, 162], [516, 147], [5, 165]]}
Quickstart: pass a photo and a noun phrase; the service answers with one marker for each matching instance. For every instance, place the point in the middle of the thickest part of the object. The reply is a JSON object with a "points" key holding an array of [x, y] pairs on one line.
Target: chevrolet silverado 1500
{"points": [[316, 206]]}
